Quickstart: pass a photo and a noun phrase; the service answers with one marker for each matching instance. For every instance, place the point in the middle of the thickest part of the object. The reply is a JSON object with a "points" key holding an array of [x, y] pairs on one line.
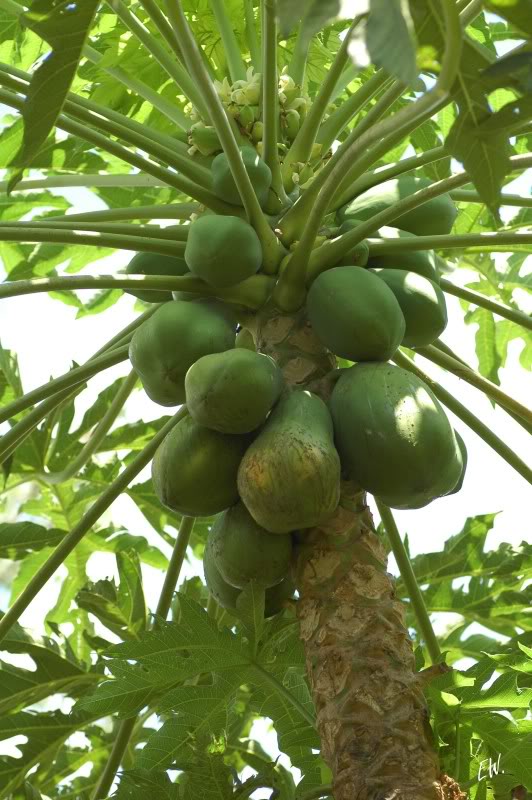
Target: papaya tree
{"points": [[287, 192]]}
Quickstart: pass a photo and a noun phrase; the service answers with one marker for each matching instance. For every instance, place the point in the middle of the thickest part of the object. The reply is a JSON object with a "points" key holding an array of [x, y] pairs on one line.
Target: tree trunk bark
{"points": [[372, 715]]}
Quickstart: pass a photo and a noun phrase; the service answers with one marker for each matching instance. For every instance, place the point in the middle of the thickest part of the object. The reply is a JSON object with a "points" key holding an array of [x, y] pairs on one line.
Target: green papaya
{"points": [[222, 250], [223, 183], [155, 264], [393, 436], [171, 340], [194, 470], [463, 453], [289, 477], [421, 261], [244, 338], [226, 595], [243, 551], [233, 392], [422, 303], [359, 255], [355, 314], [434, 217]]}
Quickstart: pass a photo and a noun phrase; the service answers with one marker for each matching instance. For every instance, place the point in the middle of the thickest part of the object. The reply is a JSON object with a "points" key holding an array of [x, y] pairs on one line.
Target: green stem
{"points": [[519, 317], [301, 147], [235, 63], [450, 63], [22, 232], [251, 36], [96, 438], [169, 178], [174, 567], [270, 101], [66, 381], [290, 290], [382, 174], [24, 428], [332, 252], [166, 211], [89, 180], [19, 80], [175, 233], [493, 241], [298, 62], [252, 292], [127, 726], [410, 582], [478, 381], [272, 253], [335, 124], [463, 413], [90, 518], [169, 110], [470, 12], [467, 196], [267, 677], [169, 64]]}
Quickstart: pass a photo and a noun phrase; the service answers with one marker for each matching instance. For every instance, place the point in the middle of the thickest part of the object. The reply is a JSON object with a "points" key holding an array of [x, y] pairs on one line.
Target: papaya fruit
{"points": [[355, 314], [194, 470], [393, 436], [223, 183], [155, 264], [422, 303], [226, 595], [433, 218], [289, 478], [222, 250], [421, 261], [233, 392], [244, 338], [171, 340], [359, 255], [463, 453], [243, 551]]}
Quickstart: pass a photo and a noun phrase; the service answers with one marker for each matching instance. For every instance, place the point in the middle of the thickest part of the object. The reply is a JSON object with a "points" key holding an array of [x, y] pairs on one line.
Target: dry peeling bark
{"points": [[371, 712]]}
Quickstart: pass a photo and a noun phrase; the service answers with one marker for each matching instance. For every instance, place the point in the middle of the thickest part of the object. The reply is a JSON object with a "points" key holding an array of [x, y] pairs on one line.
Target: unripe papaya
{"points": [[393, 436], [223, 183], [172, 339], [422, 303], [194, 470], [222, 250], [355, 314], [434, 217], [421, 261], [233, 392], [226, 595], [358, 256], [244, 338], [155, 264], [243, 551], [463, 453], [289, 477]]}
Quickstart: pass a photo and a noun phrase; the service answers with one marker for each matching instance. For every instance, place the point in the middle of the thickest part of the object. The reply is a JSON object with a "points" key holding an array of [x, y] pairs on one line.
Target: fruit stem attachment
{"points": [[410, 582], [163, 607], [272, 252], [235, 64], [66, 381], [478, 381], [96, 438], [67, 545], [519, 317], [469, 419]]}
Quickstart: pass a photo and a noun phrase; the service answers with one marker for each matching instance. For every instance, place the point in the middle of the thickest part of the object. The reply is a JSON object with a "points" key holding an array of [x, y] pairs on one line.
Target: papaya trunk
{"points": [[372, 715]]}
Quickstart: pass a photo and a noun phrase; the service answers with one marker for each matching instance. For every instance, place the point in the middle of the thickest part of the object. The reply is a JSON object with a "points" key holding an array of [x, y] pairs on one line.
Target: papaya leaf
{"points": [[489, 360], [389, 39], [65, 26], [315, 14], [513, 740], [517, 12], [17, 539], [137, 784]]}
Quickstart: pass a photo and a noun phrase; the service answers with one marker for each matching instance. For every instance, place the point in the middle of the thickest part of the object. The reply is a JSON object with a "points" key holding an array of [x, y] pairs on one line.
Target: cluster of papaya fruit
{"points": [[267, 458]]}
